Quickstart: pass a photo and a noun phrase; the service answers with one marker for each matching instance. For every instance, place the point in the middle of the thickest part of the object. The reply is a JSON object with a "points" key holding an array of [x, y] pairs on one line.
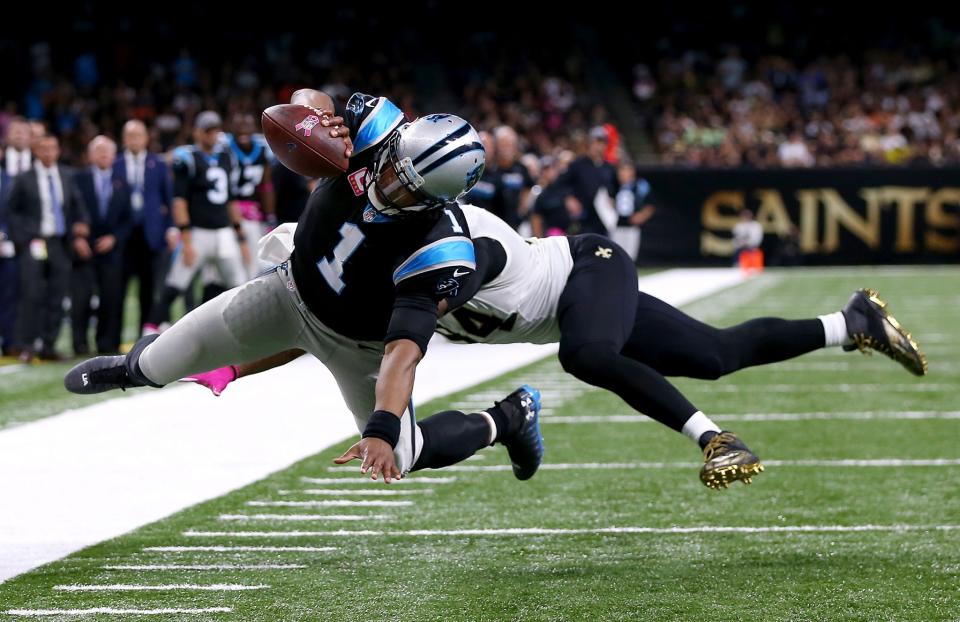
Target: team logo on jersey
{"points": [[369, 214], [358, 181], [448, 286], [308, 123], [604, 253]]}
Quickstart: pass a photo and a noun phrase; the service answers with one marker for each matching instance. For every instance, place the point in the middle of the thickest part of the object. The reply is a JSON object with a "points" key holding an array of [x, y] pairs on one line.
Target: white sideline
{"points": [[542, 531], [93, 473], [37, 613]]}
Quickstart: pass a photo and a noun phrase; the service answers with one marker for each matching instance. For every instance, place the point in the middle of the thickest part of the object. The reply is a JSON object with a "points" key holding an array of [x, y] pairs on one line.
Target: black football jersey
{"points": [[350, 261], [250, 166], [206, 182]]}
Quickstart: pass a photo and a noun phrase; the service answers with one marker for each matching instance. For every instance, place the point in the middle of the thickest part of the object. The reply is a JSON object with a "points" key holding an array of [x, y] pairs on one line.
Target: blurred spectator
{"points": [[747, 234], [151, 198], [794, 152], [106, 195], [8, 273], [483, 192], [549, 215], [512, 182], [47, 220], [588, 175], [632, 209], [291, 190], [17, 156]]}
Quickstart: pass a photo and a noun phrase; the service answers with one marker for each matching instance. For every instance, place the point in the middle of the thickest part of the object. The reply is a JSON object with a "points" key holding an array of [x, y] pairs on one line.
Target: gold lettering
{"points": [[809, 220], [938, 217], [772, 213], [719, 213], [905, 200], [837, 213]]}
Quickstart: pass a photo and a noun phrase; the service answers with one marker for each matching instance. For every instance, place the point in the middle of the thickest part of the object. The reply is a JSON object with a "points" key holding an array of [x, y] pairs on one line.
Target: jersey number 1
{"points": [[332, 270]]}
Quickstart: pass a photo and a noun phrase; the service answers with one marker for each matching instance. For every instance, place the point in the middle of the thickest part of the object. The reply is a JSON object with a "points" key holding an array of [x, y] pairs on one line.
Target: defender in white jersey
{"points": [[520, 303], [582, 291]]}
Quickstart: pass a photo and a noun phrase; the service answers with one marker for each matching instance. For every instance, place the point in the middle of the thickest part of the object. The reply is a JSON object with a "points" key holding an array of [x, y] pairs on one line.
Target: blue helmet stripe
{"points": [[462, 149], [383, 119]]}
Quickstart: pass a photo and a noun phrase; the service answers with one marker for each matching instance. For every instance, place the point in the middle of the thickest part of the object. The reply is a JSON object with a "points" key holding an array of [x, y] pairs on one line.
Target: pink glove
{"points": [[216, 380]]}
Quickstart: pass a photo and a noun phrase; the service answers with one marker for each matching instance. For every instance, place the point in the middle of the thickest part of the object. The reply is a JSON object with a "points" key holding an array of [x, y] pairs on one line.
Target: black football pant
{"points": [[625, 341]]}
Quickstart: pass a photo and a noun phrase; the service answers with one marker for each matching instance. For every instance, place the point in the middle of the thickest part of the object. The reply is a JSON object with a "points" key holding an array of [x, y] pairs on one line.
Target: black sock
{"points": [[501, 420], [450, 437], [706, 437], [161, 310]]}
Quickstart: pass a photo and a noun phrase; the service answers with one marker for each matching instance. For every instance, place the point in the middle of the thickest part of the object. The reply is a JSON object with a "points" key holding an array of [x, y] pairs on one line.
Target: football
{"points": [[301, 143]]}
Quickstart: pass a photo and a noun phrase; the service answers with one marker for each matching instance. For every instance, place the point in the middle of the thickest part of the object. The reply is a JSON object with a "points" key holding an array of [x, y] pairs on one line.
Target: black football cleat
{"points": [[872, 327], [524, 442], [105, 373], [727, 459]]}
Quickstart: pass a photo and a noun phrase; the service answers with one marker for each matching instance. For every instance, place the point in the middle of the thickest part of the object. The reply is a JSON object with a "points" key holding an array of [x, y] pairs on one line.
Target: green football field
{"points": [[857, 516]]}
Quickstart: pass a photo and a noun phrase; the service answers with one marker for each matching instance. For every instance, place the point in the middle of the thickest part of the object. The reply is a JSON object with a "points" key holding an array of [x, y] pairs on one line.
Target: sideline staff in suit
{"points": [[107, 198], [47, 219]]}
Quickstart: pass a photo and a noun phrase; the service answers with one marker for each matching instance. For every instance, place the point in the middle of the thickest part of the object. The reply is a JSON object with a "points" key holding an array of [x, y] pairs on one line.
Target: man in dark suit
{"points": [[47, 220], [8, 272], [107, 198], [151, 192]]}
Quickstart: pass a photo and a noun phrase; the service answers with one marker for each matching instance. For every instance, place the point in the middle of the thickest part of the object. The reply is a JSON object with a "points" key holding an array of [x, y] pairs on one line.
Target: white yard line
{"points": [[176, 567], [367, 492], [812, 416], [301, 517], [542, 531], [240, 549], [410, 479], [181, 446], [919, 387], [11, 369], [192, 587], [331, 503], [595, 466], [39, 613]]}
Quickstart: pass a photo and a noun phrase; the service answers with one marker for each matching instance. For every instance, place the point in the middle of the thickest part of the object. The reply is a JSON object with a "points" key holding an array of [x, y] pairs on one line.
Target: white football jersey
{"points": [[520, 304]]}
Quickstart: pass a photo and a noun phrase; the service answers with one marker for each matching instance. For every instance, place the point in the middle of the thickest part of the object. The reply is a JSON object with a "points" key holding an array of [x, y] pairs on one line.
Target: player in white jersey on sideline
{"points": [[581, 291]]}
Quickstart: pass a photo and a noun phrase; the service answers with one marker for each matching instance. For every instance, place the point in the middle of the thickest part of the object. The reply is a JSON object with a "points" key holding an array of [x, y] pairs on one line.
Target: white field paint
{"points": [[604, 466], [329, 503], [760, 417], [410, 479], [366, 492], [919, 387], [301, 517], [180, 446], [240, 549], [541, 531], [40, 613], [175, 567], [189, 587]]}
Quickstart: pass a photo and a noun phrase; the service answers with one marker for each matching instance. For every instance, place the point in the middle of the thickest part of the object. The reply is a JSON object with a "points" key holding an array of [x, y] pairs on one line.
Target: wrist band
{"points": [[383, 425]]}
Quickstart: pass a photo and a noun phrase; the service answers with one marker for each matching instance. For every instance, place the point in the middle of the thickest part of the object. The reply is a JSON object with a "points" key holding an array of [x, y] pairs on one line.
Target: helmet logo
{"points": [[307, 125]]}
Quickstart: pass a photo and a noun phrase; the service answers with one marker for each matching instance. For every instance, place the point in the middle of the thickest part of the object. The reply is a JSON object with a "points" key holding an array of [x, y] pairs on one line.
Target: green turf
{"points": [[35, 391], [899, 575]]}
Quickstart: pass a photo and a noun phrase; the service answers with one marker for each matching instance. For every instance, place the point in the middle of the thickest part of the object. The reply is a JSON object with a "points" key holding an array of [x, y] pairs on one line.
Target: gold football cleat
{"points": [[873, 328], [727, 459]]}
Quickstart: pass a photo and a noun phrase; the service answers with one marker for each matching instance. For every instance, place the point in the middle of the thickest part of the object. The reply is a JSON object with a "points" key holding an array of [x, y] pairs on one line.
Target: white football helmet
{"points": [[425, 164]]}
